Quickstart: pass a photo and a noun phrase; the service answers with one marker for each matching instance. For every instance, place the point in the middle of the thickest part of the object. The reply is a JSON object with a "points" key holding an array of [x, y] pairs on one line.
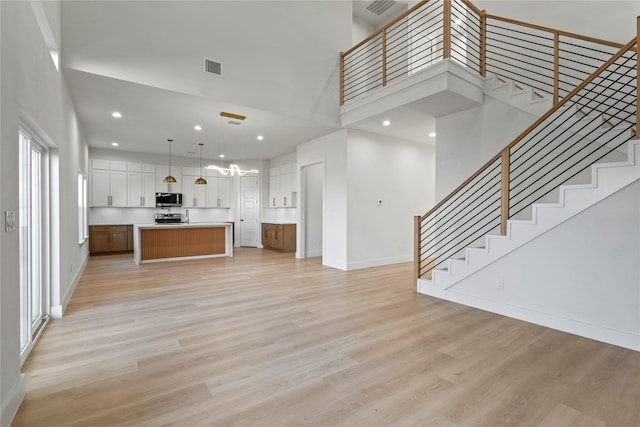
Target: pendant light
{"points": [[201, 180], [169, 179]]}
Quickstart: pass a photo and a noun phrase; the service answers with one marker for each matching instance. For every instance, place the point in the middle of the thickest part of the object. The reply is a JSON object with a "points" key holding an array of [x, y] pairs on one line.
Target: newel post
{"points": [[446, 30], [483, 43], [341, 78], [384, 57], [504, 191], [416, 252], [556, 68], [637, 76]]}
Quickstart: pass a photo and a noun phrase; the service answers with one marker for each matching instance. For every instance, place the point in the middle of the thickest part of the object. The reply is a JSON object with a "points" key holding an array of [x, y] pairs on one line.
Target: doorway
{"points": [[249, 211], [34, 288], [312, 212]]}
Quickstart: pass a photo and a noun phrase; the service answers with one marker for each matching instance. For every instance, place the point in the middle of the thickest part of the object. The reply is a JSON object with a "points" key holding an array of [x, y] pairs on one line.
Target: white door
{"points": [[33, 243], [249, 218]]}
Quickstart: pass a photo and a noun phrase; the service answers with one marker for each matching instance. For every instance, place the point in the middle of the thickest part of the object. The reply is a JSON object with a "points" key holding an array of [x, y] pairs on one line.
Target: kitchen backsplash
{"points": [[100, 216]]}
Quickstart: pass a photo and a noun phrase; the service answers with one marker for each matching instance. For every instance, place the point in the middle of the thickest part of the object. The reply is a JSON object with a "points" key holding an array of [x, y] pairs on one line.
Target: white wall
{"points": [[34, 93], [331, 150], [579, 281], [401, 174], [468, 139]]}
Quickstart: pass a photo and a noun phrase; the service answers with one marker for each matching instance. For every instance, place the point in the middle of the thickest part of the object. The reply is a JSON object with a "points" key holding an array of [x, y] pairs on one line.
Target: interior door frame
{"points": [[240, 218], [301, 232]]}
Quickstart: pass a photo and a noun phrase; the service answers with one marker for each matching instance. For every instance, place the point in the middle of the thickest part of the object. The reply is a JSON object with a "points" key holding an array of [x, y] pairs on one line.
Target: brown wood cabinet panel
{"points": [[181, 242], [279, 237], [109, 238]]}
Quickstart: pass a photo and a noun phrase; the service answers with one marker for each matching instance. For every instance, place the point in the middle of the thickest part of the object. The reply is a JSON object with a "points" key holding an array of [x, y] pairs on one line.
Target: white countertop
{"points": [[278, 222], [184, 225]]}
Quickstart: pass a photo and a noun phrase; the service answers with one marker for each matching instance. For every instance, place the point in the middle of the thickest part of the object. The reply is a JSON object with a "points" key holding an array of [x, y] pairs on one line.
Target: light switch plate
{"points": [[9, 221]]}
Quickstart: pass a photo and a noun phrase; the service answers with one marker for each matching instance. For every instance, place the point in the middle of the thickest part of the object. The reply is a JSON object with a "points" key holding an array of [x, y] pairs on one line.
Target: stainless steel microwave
{"points": [[168, 200]]}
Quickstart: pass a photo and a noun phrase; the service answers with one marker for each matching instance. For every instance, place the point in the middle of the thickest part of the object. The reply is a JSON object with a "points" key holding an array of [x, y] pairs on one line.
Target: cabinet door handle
{"points": [[276, 234], [141, 200], [285, 200], [273, 202], [194, 201], [109, 200], [218, 202]]}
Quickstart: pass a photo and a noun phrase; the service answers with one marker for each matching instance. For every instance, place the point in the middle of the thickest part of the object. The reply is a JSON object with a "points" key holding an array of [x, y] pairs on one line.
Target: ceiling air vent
{"points": [[213, 67], [379, 6]]}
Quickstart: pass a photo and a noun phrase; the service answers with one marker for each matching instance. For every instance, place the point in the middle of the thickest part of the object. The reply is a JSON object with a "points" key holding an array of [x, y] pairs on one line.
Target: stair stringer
{"points": [[607, 178]]}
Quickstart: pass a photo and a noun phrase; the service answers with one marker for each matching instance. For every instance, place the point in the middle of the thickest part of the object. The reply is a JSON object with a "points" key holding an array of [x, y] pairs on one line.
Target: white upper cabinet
{"points": [[281, 194], [108, 183]]}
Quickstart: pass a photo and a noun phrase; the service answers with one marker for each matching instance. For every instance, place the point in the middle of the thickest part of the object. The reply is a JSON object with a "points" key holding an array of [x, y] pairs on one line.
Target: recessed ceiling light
{"points": [[221, 156], [260, 137], [197, 127], [116, 114], [386, 123], [432, 134], [115, 144]]}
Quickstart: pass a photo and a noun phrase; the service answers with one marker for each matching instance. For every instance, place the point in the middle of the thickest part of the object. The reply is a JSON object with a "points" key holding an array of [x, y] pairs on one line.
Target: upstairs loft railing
{"points": [[592, 122], [550, 61]]}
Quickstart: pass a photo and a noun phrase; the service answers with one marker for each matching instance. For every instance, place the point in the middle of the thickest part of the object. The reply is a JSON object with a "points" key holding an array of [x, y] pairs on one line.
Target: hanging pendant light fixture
{"points": [[201, 180], [169, 179], [233, 169]]}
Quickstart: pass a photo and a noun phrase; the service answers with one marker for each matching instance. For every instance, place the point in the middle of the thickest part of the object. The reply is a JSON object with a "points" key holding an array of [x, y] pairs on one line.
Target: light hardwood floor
{"points": [[263, 339]]}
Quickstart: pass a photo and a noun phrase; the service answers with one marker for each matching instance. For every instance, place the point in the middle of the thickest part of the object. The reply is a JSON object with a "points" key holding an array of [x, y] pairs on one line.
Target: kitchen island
{"points": [[169, 242]]}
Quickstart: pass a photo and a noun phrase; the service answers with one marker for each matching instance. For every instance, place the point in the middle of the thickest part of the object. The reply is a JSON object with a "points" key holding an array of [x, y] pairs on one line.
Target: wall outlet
{"points": [[499, 284], [9, 221]]}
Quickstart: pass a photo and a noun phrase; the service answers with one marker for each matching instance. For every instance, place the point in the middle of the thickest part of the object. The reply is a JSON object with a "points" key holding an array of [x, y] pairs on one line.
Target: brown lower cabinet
{"points": [[110, 238], [279, 237]]}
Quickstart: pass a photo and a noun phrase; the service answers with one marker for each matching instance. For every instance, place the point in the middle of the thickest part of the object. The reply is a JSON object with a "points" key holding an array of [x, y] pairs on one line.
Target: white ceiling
{"points": [[280, 69]]}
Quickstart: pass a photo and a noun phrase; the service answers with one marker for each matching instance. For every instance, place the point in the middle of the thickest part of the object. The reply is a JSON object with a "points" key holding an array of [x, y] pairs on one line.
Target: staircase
{"points": [[607, 178], [517, 95], [579, 155]]}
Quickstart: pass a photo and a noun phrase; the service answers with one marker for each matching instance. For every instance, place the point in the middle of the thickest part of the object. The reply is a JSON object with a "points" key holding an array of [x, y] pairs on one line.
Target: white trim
{"points": [[584, 329], [379, 262], [57, 311], [301, 227], [11, 402]]}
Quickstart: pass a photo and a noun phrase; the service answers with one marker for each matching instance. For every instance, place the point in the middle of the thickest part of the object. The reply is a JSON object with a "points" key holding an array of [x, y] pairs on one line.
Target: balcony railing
{"points": [[550, 61]]}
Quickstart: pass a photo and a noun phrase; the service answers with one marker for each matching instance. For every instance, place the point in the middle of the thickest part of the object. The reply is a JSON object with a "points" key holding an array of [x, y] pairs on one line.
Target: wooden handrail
{"points": [[637, 75], [473, 7], [559, 32], [399, 18], [626, 48]]}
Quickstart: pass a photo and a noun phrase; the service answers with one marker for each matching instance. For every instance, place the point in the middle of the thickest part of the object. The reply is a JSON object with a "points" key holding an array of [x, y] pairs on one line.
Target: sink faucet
{"points": [[187, 216]]}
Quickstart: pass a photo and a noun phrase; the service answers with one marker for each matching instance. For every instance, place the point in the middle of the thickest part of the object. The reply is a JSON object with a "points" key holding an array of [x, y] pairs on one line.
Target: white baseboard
{"points": [[314, 253], [379, 262], [57, 311], [11, 402], [588, 330]]}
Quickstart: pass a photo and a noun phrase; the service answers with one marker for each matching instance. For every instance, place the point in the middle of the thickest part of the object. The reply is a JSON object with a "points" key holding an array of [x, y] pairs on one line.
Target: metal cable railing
{"points": [[550, 61], [593, 123]]}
